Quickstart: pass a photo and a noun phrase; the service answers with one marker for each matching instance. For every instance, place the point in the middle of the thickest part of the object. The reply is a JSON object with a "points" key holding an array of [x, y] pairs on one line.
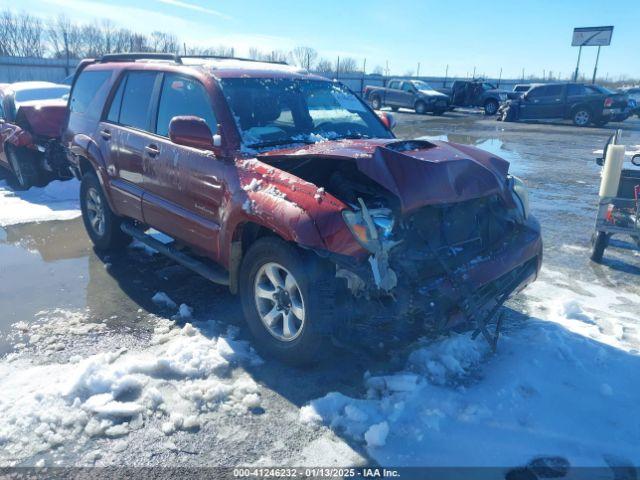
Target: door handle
{"points": [[106, 134], [152, 150]]}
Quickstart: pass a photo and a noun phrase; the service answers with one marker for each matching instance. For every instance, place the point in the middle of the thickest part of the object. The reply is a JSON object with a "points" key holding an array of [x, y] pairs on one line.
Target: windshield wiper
{"points": [[353, 136], [275, 143]]}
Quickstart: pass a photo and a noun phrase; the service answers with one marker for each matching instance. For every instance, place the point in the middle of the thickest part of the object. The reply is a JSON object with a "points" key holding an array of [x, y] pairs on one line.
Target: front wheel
{"points": [[491, 107], [599, 243], [376, 104], [421, 108], [102, 225], [287, 299]]}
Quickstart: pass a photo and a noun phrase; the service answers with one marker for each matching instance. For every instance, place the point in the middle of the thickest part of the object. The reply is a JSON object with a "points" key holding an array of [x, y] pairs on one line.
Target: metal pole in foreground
{"points": [[595, 69], [575, 75]]}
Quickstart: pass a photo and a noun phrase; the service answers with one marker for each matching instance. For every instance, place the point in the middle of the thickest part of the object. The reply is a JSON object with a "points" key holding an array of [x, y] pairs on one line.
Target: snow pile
{"points": [[172, 385], [57, 201], [560, 384]]}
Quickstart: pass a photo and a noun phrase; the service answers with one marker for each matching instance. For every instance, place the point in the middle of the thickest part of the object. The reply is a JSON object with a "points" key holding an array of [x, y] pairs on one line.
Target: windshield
{"points": [[41, 94], [420, 85], [271, 112]]}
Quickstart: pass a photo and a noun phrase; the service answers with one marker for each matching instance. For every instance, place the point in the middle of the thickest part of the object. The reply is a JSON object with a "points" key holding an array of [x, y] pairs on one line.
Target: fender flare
{"points": [[85, 147]]}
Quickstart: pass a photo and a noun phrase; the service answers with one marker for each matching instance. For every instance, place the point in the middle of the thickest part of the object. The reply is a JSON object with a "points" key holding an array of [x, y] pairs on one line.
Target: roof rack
{"points": [[131, 57], [222, 57]]}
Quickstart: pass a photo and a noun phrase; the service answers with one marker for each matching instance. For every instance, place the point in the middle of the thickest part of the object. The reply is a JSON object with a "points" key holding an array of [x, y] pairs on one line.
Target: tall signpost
{"points": [[590, 37]]}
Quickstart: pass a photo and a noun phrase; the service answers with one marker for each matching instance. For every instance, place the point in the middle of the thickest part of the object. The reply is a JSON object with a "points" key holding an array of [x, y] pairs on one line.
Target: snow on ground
{"points": [[186, 373], [56, 201], [563, 383]]}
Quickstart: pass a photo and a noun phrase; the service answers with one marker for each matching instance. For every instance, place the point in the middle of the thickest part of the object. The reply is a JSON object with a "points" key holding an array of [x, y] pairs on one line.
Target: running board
{"points": [[215, 275]]}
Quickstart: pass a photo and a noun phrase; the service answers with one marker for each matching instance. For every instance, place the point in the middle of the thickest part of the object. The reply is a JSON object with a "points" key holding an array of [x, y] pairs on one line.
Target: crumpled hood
{"points": [[418, 172]]}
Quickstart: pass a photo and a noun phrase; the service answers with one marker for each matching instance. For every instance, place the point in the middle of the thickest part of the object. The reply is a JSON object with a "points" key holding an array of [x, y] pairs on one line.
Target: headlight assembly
{"points": [[369, 235], [520, 195]]}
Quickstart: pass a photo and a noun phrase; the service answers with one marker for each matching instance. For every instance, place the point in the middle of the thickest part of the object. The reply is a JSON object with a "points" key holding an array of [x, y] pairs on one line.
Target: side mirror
{"points": [[388, 119], [191, 132]]}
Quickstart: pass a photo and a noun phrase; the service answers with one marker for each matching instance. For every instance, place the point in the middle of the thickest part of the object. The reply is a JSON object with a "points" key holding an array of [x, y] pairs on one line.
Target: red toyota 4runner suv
{"points": [[289, 189]]}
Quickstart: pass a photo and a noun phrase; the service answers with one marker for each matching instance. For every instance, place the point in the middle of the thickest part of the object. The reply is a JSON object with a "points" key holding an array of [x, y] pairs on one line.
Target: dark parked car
{"points": [[583, 104], [414, 94], [32, 115], [476, 93], [292, 191]]}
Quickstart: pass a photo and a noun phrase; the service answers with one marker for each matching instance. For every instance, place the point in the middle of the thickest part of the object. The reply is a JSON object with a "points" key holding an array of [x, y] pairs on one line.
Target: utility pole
{"points": [[418, 70], [500, 77], [595, 69], [338, 68], [184, 46], [364, 67], [474, 73], [66, 52], [575, 75], [387, 69], [446, 74], [523, 74]]}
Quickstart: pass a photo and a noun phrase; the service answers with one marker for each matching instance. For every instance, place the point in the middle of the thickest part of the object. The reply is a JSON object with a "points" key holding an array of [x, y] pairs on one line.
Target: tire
{"points": [[491, 107], [308, 285], [24, 167], [376, 104], [599, 243], [581, 117], [105, 233], [421, 108]]}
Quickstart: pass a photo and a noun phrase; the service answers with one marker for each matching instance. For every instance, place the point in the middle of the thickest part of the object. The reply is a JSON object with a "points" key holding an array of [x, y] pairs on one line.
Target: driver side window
{"points": [[406, 86], [183, 96]]}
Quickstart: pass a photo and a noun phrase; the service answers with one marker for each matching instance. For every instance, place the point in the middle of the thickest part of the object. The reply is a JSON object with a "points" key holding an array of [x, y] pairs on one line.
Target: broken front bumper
{"points": [[445, 298]]}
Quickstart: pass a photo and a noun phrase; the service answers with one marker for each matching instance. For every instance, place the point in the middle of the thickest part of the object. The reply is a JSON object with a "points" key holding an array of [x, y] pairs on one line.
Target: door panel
{"points": [[182, 194], [543, 102]]}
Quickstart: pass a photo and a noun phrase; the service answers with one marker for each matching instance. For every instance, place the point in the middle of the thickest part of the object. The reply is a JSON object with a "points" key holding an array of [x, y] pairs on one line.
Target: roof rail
{"points": [[131, 57], [222, 57]]}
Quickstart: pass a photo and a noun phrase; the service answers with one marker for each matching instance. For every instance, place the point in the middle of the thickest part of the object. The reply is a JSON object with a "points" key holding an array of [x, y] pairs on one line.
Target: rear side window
{"points": [[136, 99], [85, 89], [116, 102], [395, 84], [183, 96], [573, 90]]}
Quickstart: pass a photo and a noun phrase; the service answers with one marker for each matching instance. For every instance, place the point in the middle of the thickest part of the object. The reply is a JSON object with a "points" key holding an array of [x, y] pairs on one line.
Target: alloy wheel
{"points": [[95, 211], [279, 302], [582, 117]]}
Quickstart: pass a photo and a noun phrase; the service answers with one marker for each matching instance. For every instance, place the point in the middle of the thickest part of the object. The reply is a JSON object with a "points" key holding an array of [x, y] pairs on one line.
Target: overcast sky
{"points": [[534, 35]]}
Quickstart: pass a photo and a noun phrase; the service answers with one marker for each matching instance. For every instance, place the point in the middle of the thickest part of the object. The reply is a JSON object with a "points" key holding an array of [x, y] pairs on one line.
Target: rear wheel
{"points": [[599, 243], [581, 117], [376, 103], [421, 108], [287, 299], [491, 107], [102, 225], [24, 167]]}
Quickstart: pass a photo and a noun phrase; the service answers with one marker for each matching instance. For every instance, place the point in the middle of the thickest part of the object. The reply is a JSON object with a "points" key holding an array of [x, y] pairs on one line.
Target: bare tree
{"points": [[324, 66], [348, 65], [378, 70], [21, 35], [304, 57]]}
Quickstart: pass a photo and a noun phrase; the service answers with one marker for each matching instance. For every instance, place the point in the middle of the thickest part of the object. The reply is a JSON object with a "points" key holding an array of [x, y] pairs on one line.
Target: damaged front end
{"points": [[445, 234]]}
